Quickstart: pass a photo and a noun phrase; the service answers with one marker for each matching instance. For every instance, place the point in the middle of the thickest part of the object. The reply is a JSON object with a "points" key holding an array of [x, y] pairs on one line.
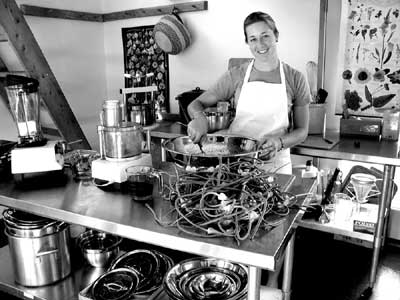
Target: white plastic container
{"points": [[390, 129]]}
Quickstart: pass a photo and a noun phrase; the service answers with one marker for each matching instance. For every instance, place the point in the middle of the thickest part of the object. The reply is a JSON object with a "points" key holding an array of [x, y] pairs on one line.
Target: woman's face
{"points": [[261, 40]]}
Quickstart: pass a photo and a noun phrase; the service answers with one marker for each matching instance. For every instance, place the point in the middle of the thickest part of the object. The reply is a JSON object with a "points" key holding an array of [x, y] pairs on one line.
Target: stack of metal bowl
{"points": [[206, 278], [217, 119], [139, 273], [98, 248]]}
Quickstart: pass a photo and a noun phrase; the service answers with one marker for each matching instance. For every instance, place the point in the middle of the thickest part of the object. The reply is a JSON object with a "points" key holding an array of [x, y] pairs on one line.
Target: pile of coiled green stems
{"points": [[233, 200]]}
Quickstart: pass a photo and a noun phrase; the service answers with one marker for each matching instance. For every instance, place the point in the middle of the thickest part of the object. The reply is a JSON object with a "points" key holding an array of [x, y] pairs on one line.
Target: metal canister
{"points": [[39, 248], [112, 113]]}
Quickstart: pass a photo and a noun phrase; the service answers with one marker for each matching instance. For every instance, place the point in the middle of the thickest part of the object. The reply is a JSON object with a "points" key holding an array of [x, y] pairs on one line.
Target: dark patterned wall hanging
{"points": [[142, 56]]}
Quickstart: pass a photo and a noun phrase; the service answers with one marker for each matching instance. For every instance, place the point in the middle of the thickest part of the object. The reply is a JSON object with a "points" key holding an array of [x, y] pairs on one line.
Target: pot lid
{"points": [[25, 220], [117, 284], [145, 262]]}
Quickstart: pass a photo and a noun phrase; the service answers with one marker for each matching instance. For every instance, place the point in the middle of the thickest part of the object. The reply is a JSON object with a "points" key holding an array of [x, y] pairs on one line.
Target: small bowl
{"points": [[81, 162], [217, 120], [98, 248]]}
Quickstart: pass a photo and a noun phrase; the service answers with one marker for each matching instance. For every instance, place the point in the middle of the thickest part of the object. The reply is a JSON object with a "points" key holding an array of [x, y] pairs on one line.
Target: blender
{"points": [[121, 144], [33, 153]]}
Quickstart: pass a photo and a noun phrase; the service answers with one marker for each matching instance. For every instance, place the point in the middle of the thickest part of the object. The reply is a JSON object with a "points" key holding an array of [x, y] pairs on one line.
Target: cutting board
{"points": [[316, 141]]}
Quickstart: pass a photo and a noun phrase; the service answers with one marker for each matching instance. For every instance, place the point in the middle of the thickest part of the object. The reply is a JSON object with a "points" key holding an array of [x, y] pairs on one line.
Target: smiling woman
{"points": [[270, 97]]}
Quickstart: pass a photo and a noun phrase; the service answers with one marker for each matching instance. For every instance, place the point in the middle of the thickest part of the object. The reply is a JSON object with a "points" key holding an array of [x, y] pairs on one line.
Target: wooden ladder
{"points": [[15, 31]]}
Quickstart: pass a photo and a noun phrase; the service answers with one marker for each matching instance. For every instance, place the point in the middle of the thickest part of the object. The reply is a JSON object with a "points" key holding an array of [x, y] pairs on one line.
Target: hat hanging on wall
{"points": [[171, 35]]}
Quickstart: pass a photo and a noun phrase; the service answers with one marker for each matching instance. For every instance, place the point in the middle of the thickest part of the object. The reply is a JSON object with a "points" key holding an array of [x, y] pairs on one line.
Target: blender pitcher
{"points": [[24, 102]]}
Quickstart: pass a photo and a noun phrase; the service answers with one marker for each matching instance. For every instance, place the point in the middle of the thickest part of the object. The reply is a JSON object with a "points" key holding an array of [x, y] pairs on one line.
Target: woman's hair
{"points": [[259, 16]]}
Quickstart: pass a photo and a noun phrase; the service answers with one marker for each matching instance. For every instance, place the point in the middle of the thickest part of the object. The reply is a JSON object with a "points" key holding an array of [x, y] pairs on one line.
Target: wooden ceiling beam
{"points": [[46, 12], [156, 11], [37, 11], [28, 50], [3, 67]]}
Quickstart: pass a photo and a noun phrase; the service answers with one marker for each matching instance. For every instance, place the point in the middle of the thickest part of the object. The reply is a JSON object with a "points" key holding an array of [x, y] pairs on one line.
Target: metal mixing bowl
{"points": [[206, 278], [98, 248], [217, 120], [235, 146]]}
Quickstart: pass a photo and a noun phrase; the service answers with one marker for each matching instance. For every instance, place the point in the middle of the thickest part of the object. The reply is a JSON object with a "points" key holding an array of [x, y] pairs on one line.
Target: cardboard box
{"points": [[365, 221]]}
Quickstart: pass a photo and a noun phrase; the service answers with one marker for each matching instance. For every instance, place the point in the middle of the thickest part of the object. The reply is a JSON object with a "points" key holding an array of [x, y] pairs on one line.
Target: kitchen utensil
{"points": [[23, 97], [80, 161], [312, 74], [122, 142], [141, 180], [118, 284], [98, 248], [112, 114], [182, 150], [206, 278], [217, 120], [39, 255], [144, 262]]}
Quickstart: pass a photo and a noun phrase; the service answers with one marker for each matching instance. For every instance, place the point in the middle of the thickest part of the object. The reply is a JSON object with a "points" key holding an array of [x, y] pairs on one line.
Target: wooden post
{"points": [[28, 50]]}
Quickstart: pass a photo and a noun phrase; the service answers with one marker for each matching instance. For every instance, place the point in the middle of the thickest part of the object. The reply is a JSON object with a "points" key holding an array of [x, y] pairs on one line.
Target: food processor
{"points": [[121, 144], [33, 153]]}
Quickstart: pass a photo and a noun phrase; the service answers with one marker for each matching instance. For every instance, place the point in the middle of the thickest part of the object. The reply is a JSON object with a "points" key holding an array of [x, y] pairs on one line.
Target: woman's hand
{"points": [[197, 128], [270, 147]]}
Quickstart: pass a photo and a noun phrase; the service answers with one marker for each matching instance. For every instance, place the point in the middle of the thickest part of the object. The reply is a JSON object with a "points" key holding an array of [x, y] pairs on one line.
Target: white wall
{"points": [[87, 57], [217, 35], [75, 53]]}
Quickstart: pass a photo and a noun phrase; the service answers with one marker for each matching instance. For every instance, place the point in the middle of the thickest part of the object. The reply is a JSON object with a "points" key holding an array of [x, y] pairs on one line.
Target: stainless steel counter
{"points": [[114, 212], [381, 152]]}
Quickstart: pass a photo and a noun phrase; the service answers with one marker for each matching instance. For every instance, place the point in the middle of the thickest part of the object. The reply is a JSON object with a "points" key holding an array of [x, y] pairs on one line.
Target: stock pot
{"points": [[39, 248]]}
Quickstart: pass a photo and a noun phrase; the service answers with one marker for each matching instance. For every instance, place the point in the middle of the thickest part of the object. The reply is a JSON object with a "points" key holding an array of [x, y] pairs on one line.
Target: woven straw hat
{"points": [[171, 35]]}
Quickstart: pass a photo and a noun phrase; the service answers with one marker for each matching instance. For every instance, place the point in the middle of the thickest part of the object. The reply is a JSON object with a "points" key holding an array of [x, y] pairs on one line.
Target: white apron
{"points": [[262, 111]]}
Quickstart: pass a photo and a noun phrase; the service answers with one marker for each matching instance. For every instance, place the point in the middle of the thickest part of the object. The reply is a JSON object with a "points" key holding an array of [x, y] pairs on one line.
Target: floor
{"points": [[327, 269]]}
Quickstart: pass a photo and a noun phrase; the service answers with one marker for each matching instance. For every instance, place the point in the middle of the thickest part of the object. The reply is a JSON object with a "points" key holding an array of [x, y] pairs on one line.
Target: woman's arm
{"points": [[222, 90]]}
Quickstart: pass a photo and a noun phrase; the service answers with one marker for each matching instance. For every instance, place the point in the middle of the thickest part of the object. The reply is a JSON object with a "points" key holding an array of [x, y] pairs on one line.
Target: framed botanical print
{"points": [[369, 57], [145, 64]]}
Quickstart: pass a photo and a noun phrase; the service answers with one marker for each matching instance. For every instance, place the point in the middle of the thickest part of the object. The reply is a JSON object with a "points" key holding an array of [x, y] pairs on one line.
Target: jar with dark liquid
{"points": [[142, 182]]}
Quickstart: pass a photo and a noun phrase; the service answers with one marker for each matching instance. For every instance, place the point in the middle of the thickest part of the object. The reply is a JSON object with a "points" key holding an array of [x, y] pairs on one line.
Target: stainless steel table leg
{"points": [[254, 281], [391, 174], [163, 152], [287, 269], [378, 236]]}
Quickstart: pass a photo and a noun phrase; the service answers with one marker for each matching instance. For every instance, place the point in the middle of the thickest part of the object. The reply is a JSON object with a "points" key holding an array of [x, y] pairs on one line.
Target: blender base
{"points": [[45, 158], [115, 171]]}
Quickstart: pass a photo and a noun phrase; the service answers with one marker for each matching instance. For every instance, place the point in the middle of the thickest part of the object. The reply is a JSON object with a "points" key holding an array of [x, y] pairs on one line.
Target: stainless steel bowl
{"points": [[217, 120], [206, 278], [179, 150], [98, 248]]}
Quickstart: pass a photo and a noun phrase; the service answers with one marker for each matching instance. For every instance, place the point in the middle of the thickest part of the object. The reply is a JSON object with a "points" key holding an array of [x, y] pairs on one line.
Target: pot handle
{"points": [[48, 252]]}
